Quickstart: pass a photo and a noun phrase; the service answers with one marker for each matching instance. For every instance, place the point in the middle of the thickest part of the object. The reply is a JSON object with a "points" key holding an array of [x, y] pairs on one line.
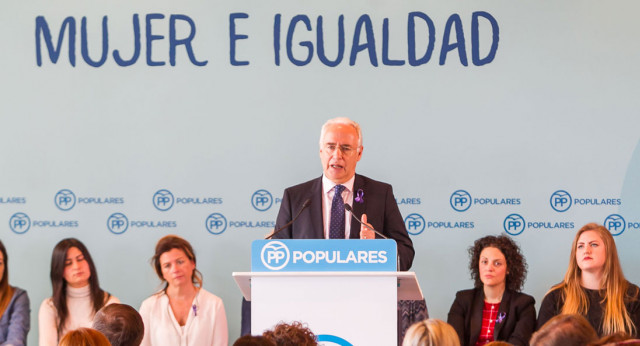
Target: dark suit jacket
{"points": [[520, 317], [379, 204]]}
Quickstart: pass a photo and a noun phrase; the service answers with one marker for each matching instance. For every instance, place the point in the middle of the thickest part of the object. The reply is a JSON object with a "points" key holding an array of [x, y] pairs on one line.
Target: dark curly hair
{"points": [[294, 334], [516, 263]]}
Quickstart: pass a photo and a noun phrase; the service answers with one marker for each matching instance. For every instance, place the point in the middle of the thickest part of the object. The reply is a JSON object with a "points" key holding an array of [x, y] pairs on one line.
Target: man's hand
{"points": [[366, 233]]}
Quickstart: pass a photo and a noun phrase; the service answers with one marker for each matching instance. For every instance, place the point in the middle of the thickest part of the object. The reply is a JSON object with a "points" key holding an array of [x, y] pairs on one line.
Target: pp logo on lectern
{"points": [[117, 223], [216, 223], [163, 200], [262, 200], [415, 223], [19, 223], [514, 224], [275, 255], [65, 199], [615, 223]]}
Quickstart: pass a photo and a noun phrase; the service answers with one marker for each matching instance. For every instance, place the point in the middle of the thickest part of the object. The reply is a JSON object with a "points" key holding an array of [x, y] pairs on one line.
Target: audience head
{"points": [[84, 337], [565, 330], [431, 332], [604, 257], [174, 250], [514, 269], [253, 340], [121, 324], [294, 334]]}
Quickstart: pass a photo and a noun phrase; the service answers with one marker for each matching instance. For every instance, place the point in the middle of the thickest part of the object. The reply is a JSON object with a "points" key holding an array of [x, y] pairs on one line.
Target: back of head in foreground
{"points": [[294, 334], [431, 332], [121, 324], [565, 330], [84, 337]]}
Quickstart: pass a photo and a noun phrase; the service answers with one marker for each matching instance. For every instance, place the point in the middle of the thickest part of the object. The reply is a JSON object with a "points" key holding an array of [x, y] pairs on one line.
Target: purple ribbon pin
{"points": [[501, 317], [360, 196]]}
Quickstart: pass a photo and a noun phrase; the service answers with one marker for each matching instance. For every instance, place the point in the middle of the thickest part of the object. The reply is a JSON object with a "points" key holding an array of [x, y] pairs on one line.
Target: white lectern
{"points": [[344, 306]]}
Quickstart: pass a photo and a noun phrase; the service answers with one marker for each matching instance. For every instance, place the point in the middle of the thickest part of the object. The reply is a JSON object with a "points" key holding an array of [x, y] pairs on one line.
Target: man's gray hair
{"points": [[341, 121]]}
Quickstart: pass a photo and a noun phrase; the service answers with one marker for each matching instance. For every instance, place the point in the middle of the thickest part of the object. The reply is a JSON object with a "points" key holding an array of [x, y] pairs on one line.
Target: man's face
{"points": [[339, 152]]}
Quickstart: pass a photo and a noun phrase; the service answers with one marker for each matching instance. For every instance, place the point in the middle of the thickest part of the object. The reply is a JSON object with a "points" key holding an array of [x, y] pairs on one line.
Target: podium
{"points": [[346, 291]]}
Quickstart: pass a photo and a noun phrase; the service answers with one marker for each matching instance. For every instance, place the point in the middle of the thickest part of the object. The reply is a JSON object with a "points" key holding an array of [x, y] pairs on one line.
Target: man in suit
{"points": [[325, 218], [340, 150]]}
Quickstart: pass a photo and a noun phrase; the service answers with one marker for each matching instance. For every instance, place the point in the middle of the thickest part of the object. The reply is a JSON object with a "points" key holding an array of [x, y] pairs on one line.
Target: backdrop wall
{"points": [[123, 122]]}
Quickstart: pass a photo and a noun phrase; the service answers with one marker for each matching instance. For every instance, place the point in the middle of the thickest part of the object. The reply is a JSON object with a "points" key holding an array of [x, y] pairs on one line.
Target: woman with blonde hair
{"points": [[594, 286], [431, 332], [182, 313]]}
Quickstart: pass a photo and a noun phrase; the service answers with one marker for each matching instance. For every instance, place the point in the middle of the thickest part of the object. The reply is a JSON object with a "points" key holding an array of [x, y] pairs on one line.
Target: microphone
{"points": [[305, 205], [348, 208]]}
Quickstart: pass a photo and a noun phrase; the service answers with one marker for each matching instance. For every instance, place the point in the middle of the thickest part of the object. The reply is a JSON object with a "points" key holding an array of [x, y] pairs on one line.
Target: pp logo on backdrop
{"points": [[560, 201], [65, 199], [262, 200], [460, 200], [216, 223], [163, 200], [514, 224], [275, 255], [415, 223], [615, 223], [117, 223], [19, 223]]}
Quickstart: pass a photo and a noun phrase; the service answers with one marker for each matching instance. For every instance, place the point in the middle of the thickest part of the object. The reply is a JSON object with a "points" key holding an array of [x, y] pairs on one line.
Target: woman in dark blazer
{"points": [[495, 309]]}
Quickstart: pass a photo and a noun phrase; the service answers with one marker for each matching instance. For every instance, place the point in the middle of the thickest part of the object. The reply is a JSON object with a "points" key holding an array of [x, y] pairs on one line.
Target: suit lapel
{"points": [[504, 308], [316, 223], [357, 207], [476, 316]]}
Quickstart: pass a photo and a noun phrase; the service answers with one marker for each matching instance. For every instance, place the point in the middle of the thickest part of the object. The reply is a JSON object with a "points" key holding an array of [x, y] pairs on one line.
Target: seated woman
{"points": [[77, 295], [14, 307], [594, 286], [495, 309], [182, 313]]}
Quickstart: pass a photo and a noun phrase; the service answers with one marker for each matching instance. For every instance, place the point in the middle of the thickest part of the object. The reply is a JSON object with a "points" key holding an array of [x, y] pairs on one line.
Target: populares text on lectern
{"points": [[346, 291]]}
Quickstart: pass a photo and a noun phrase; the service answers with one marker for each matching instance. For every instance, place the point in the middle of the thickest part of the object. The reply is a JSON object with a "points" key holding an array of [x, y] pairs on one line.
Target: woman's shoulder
{"points": [[208, 296], [47, 306], [467, 294], [110, 298], [521, 297]]}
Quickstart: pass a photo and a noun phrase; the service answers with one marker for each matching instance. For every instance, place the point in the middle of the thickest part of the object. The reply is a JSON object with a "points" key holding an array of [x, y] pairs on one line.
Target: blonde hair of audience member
{"points": [[84, 337], [615, 316], [565, 330], [431, 332]]}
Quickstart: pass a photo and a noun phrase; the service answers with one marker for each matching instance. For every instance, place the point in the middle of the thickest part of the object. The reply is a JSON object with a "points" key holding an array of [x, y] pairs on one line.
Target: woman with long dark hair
{"points": [[14, 307], [594, 286], [182, 313], [77, 295]]}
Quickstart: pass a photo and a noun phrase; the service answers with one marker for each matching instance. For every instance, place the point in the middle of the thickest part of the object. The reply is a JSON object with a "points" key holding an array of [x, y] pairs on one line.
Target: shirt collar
{"points": [[327, 184]]}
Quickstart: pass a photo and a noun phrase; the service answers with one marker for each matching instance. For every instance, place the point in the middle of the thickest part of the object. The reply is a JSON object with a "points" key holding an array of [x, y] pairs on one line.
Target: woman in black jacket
{"points": [[495, 309]]}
